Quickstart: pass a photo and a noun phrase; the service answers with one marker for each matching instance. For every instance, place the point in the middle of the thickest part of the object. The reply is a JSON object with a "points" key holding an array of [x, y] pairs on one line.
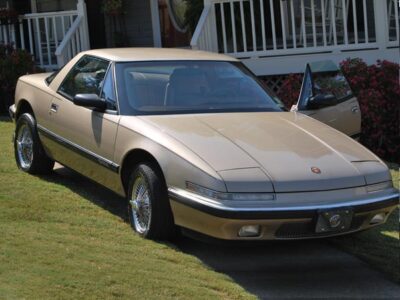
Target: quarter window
{"points": [[108, 92], [86, 77]]}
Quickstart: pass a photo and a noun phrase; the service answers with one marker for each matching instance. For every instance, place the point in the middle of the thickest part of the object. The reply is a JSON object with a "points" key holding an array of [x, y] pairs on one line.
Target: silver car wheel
{"points": [[141, 205], [24, 142]]}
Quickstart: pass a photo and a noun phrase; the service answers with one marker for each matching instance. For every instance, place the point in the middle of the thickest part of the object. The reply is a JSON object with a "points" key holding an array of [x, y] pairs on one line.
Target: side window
{"points": [[306, 89], [332, 83], [108, 92], [86, 77]]}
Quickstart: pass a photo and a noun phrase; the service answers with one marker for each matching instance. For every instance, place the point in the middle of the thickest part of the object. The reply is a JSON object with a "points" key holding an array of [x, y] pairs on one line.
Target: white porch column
{"points": [[212, 25], [155, 21], [81, 8], [33, 6], [381, 23]]}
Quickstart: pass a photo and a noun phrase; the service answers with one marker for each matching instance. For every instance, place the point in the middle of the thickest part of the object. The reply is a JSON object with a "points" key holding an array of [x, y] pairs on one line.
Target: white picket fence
{"points": [[53, 38], [253, 29]]}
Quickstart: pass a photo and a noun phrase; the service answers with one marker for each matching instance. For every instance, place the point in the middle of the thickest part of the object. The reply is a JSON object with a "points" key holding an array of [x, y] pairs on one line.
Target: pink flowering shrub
{"points": [[290, 89], [378, 91]]}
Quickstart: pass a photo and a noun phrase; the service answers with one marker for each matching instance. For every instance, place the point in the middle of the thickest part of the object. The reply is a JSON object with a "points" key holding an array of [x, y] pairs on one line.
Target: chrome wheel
{"points": [[140, 205], [24, 142]]}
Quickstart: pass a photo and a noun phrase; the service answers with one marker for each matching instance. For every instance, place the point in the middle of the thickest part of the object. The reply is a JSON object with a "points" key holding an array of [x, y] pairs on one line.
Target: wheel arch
{"points": [[133, 158], [23, 107]]}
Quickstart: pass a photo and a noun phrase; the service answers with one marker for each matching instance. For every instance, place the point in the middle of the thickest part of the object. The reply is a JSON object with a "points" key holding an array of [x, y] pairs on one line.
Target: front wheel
{"points": [[29, 153], [148, 204]]}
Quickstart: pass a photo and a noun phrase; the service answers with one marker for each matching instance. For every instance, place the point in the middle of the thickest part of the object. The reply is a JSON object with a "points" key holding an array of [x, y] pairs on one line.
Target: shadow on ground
{"points": [[89, 190], [5, 118], [269, 270]]}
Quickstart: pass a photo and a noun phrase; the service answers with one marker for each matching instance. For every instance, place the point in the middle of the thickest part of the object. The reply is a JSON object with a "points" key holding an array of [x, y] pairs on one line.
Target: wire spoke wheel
{"points": [[25, 146], [140, 203], [149, 210]]}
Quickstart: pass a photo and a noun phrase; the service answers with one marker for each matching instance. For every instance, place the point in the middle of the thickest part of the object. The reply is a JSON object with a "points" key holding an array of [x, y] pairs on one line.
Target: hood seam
{"points": [[261, 167]]}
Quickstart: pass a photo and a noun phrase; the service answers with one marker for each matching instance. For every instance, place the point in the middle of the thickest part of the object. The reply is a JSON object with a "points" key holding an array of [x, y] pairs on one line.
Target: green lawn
{"points": [[60, 239], [380, 246]]}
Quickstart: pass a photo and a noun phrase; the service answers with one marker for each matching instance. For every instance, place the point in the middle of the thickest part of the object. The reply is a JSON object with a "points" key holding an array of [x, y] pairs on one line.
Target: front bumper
{"points": [[12, 110], [224, 220]]}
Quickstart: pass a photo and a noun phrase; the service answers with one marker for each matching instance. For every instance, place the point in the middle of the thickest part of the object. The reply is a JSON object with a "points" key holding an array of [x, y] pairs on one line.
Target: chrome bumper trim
{"points": [[260, 209]]}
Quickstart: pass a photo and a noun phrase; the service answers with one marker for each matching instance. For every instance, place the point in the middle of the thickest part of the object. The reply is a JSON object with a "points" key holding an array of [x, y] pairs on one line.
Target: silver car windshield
{"points": [[177, 87]]}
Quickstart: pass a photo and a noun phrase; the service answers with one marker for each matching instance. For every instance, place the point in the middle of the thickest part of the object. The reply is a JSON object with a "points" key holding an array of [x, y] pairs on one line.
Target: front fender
{"points": [[178, 163]]}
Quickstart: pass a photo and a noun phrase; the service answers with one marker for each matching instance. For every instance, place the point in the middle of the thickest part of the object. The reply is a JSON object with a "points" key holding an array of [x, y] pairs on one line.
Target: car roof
{"points": [[156, 54]]}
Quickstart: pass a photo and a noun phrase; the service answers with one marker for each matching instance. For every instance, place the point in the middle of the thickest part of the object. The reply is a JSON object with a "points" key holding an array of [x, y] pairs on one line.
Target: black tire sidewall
{"points": [[161, 225], [40, 161]]}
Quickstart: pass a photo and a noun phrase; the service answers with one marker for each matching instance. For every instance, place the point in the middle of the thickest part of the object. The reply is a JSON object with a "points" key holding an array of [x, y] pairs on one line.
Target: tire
{"points": [[29, 153], [149, 211]]}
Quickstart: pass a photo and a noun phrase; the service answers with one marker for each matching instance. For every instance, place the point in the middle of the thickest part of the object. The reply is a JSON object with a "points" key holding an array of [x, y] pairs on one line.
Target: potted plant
{"points": [[112, 7], [8, 16]]}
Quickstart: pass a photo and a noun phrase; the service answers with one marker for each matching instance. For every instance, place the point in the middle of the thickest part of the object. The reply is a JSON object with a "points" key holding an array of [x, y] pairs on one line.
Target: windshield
{"points": [[177, 87]]}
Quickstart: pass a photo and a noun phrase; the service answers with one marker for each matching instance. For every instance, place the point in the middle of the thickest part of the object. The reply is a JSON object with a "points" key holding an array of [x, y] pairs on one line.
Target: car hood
{"points": [[287, 147]]}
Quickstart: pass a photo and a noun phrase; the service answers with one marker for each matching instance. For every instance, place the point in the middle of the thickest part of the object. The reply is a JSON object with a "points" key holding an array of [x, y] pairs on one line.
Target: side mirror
{"points": [[321, 101], [90, 100]]}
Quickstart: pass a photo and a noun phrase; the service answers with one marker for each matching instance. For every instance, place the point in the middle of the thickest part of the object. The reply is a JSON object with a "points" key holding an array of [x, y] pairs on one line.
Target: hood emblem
{"points": [[316, 170]]}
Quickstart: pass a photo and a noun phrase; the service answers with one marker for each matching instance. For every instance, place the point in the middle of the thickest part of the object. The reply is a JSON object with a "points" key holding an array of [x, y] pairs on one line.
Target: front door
{"points": [[87, 137], [326, 96]]}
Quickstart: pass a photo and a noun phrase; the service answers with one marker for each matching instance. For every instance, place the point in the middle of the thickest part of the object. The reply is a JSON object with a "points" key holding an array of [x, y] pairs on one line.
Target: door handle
{"points": [[53, 108], [355, 110]]}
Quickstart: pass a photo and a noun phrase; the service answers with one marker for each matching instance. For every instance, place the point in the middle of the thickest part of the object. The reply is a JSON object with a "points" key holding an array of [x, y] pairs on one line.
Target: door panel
{"points": [[324, 78], [345, 116], [82, 138], [85, 141], [94, 131]]}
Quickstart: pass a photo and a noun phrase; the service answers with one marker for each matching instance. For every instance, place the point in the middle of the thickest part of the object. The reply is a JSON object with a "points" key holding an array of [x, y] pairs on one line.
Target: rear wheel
{"points": [[29, 153], [148, 204]]}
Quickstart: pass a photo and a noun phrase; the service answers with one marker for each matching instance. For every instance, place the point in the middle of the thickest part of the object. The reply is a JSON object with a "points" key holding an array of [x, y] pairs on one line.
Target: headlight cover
{"points": [[379, 186], [220, 196]]}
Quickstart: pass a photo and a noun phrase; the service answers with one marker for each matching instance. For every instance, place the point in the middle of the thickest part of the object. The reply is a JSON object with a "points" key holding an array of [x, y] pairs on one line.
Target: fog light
{"points": [[378, 218], [250, 231]]}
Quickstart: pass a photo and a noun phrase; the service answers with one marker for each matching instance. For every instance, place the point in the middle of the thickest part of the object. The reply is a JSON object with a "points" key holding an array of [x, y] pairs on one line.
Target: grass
{"points": [[61, 238], [380, 246]]}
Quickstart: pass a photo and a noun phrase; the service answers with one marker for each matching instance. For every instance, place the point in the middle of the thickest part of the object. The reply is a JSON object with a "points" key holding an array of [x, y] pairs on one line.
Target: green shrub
{"points": [[13, 64], [193, 13]]}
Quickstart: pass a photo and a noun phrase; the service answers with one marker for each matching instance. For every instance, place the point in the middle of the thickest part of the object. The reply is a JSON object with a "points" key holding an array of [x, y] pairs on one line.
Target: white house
{"points": [[271, 37]]}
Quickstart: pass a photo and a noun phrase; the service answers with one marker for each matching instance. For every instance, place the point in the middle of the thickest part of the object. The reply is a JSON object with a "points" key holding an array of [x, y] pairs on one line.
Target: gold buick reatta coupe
{"points": [[194, 140]]}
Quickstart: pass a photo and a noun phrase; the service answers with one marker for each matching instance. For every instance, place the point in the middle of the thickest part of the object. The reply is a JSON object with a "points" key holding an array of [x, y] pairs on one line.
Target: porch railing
{"points": [[7, 33], [52, 38], [7, 30], [45, 33], [262, 28], [75, 41]]}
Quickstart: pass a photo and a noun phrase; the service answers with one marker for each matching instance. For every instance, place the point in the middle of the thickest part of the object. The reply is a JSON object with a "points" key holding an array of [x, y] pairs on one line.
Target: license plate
{"points": [[334, 221]]}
